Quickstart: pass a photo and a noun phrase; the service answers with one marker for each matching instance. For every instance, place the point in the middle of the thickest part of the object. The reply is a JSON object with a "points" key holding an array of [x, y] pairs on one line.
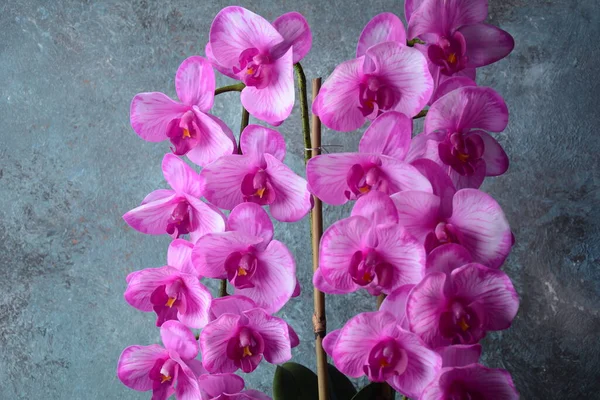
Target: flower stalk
{"points": [[238, 87], [301, 80]]}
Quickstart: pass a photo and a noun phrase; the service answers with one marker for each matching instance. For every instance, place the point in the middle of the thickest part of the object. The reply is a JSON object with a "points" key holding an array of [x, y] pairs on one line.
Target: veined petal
{"points": [[152, 218], [384, 27], [418, 212], [296, 33], [197, 303], [249, 395], [151, 113], [213, 140], [330, 340], [474, 181], [486, 44], [257, 140], [377, 207], [424, 307], [141, 284], [274, 332], [338, 101], [320, 283], [443, 19], [205, 219], [292, 198], [274, 279], [213, 344], [405, 70], [214, 385], [251, 219], [233, 304], [222, 69], [459, 355], [195, 83], [440, 182], [236, 29], [223, 179], [409, 7], [447, 258], [395, 304], [492, 289], [177, 337], [135, 364], [451, 84], [180, 176], [274, 103], [481, 226], [179, 256], [496, 160], [402, 176], [390, 135], [211, 251], [187, 383]]}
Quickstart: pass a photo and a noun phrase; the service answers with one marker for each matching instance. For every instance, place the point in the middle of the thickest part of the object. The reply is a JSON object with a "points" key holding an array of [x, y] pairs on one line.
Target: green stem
{"points": [[412, 42], [231, 88], [421, 114], [223, 288], [301, 79], [243, 125]]}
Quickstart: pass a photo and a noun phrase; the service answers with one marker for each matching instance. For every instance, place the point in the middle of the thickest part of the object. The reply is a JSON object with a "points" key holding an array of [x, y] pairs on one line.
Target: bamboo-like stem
{"points": [[238, 87], [421, 114], [301, 79], [319, 319]]}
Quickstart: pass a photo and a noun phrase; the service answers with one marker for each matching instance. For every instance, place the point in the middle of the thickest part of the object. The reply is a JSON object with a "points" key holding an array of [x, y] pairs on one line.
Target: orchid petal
{"points": [[257, 140], [195, 83], [424, 306], [496, 160], [460, 355], [443, 19], [320, 283], [453, 83], [403, 176], [330, 340], [213, 344], [384, 27], [197, 303], [180, 176], [418, 212], [296, 33], [141, 284], [377, 207], [223, 179], [204, 218], [447, 258], [233, 304], [395, 304], [213, 140], [486, 44], [152, 218], [275, 333], [292, 198], [389, 134], [177, 337], [151, 113], [251, 219], [135, 364], [179, 256], [214, 385]]}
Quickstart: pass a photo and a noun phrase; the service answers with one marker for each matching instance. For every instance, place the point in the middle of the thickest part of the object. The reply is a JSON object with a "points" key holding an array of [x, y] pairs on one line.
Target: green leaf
{"points": [[371, 392], [293, 381], [340, 386]]}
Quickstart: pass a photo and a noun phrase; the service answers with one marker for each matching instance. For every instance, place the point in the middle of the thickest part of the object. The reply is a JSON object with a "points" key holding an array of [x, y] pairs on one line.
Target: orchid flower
{"points": [[457, 39], [378, 165], [172, 291], [191, 130], [454, 135], [259, 176], [459, 355], [257, 266], [460, 307], [224, 387], [475, 221], [178, 211], [240, 341], [246, 47], [471, 382], [373, 344], [164, 370], [369, 250]]}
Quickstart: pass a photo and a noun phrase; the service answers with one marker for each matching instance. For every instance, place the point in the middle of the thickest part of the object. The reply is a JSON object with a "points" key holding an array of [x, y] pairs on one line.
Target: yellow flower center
{"points": [[463, 324], [170, 302], [247, 352], [242, 272], [164, 378], [452, 58], [186, 134]]}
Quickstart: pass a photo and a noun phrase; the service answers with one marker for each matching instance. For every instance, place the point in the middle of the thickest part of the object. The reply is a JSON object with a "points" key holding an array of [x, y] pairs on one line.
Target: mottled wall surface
{"points": [[70, 166]]}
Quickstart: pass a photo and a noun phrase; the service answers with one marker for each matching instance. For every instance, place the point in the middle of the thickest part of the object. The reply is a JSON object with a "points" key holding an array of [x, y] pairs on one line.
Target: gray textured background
{"points": [[70, 166]]}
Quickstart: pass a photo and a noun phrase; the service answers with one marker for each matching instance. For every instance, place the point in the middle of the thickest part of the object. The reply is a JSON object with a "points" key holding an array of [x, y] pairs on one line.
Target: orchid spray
{"points": [[422, 238]]}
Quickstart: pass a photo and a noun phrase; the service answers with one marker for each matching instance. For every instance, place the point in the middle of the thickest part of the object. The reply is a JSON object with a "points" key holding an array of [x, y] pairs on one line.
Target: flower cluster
{"points": [[239, 330], [421, 234]]}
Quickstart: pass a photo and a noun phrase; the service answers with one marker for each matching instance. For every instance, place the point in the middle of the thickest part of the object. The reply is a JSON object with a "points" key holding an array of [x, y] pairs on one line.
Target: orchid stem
{"points": [[243, 125], [421, 114], [301, 79], [412, 42], [223, 288], [316, 231], [387, 393], [231, 88]]}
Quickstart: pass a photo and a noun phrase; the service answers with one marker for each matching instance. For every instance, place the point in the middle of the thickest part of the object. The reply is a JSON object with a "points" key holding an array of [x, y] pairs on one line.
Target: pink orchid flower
{"points": [[164, 370], [172, 291], [475, 221], [471, 382], [246, 47], [378, 165], [225, 387], [454, 135], [257, 266], [179, 211], [240, 341], [369, 250], [389, 77], [191, 130], [373, 344], [457, 39], [259, 176], [461, 307]]}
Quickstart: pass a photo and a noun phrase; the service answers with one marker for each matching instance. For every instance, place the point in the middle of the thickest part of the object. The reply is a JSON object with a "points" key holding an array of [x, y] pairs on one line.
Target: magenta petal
{"points": [[224, 70], [177, 337], [213, 385], [223, 179], [294, 339], [377, 207], [236, 29], [447, 258], [195, 83], [460, 355], [337, 104], [320, 283], [486, 44], [141, 284], [390, 134], [395, 304], [179, 256], [274, 280], [327, 175], [275, 333], [233, 304], [384, 27], [496, 160], [187, 387], [330, 340], [135, 364], [158, 195], [405, 70], [443, 19], [410, 6], [474, 181], [418, 212], [251, 219], [451, 84], [180, 176], [425, 305], [151, 113], [211, 251], [257, 140], [402, 176], [152, 218], [204, 218], [440, 182], [213, 344], [292, 198], [197, 303], [249, 395], [296, 33], [214, 141], [482, 227], [492, 289]]}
